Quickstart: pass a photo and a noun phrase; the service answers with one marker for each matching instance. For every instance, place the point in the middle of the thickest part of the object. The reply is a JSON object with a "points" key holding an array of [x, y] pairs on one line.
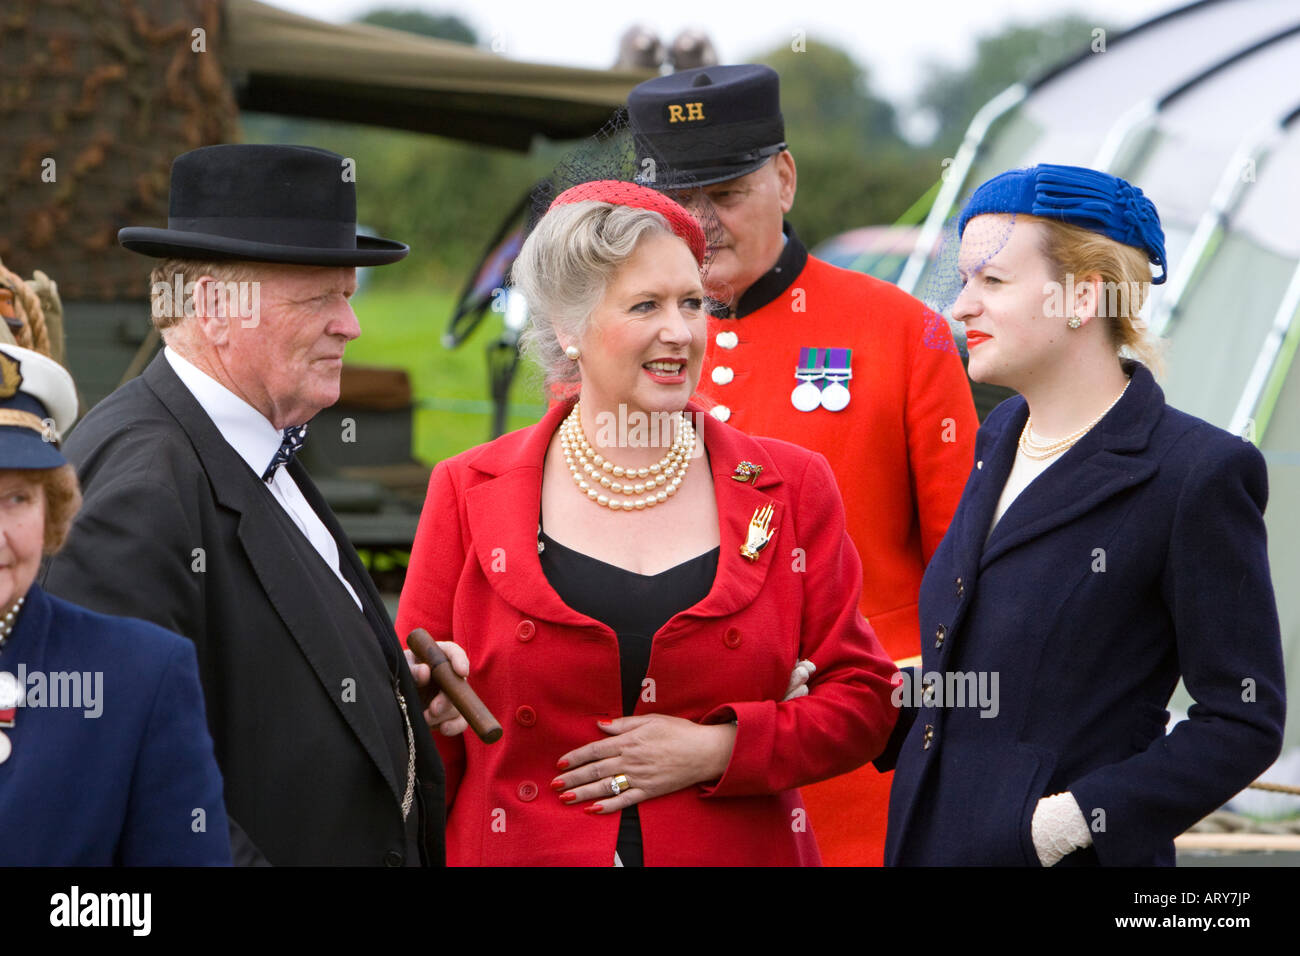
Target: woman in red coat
{"points": [[633, 621]]}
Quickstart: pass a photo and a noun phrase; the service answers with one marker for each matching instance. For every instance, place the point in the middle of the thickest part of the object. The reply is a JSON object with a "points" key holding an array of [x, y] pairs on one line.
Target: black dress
{"points": [[634, 606]]}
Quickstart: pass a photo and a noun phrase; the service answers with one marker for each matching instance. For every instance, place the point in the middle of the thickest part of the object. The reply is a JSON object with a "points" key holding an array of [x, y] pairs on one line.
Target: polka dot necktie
{"points": [[290, 444]]}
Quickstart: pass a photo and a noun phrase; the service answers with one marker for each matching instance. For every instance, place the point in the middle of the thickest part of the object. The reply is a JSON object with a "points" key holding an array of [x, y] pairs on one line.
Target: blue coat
{"points": [[1136, 558], [126, 778]]}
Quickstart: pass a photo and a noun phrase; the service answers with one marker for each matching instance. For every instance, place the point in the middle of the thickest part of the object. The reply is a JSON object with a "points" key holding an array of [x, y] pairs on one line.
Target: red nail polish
{"points": [[604, 723], [569, 797], [561, 765], [594, 808], [557, 784]]}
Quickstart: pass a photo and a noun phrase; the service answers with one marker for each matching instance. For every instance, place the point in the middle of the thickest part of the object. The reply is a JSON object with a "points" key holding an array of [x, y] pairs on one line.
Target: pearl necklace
{"points": [[7, 622], [594, 474], [1037, 450]]}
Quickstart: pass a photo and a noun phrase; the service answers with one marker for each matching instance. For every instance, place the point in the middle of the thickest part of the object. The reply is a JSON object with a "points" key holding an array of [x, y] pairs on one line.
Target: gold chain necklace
{"points": [[596, 476]]}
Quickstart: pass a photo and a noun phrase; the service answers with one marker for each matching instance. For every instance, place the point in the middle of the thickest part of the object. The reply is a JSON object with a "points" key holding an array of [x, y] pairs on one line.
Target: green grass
{"points": [[403, 328]]}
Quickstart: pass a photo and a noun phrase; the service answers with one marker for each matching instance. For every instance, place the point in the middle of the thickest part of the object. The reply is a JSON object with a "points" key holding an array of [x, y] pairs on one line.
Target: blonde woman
{"points": [[1105, 546]]}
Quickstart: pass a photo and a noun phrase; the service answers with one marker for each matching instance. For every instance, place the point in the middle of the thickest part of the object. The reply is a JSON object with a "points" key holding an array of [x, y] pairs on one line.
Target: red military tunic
{"points": [[901, 451]]}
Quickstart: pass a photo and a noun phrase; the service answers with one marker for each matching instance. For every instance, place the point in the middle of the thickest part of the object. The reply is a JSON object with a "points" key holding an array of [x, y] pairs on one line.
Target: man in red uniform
{"points": [[833, 360]]}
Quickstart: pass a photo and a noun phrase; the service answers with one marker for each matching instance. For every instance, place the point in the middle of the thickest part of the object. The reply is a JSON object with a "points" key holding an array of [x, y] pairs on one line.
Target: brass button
{"points": [[929, 736], [929, 689], [940, 633], [961, 588]]}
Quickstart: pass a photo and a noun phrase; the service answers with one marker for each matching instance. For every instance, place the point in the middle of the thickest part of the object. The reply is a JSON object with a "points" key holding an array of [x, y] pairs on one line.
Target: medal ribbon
{"points": [[812, 365], [839, 364]]}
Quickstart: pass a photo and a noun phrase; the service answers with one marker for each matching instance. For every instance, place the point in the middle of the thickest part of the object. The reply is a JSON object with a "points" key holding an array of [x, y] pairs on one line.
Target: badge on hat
{"points": [[11, 376], [823, 375], [38, 403]]}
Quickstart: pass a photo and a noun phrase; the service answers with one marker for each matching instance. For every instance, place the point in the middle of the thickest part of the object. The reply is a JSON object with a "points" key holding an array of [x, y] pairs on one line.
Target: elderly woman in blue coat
{"points": [[105, 757], [1105, 546]]}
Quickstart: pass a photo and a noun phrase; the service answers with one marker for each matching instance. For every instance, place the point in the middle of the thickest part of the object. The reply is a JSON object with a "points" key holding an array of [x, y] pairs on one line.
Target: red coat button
{"points": [[526, 716], [732, 637], [525, 630], [527, 791]]}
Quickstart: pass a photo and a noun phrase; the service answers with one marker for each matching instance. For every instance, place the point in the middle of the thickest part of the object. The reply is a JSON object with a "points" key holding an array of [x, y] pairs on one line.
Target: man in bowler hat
{"points": [[198, 517], [833, 360]]}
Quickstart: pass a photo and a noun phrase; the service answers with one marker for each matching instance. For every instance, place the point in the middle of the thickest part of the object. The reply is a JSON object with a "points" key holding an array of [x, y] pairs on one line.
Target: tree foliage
{"points": [[1018, 53], [855, 169], [440, 26]]}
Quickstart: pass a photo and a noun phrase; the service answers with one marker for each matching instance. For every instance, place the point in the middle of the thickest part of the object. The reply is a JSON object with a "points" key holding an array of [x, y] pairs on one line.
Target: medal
{"points": [[835, 395], [11, 694], [806, 395]]}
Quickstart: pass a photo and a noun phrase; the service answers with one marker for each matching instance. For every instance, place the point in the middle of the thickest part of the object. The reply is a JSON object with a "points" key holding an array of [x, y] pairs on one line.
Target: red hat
{"points": [[619, 193]]}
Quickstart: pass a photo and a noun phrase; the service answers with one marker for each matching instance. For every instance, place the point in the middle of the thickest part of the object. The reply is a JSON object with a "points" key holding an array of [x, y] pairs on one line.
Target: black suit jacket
{"points": [[300, 687]]}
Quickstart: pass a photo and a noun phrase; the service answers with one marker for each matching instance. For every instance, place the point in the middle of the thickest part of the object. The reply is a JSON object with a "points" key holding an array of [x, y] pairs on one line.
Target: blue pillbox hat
{"points": [[1081, 197]]}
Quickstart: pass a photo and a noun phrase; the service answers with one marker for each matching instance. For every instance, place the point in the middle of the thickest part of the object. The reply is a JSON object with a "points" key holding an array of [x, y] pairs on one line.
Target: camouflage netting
{"points": [[110, 91]]}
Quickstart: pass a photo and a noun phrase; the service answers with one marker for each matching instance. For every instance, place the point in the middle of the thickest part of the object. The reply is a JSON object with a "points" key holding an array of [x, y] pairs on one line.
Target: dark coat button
{"points": [[526, 716], [393, 858], [525, 630], [527, 791], [940, 633], [732, 637]]}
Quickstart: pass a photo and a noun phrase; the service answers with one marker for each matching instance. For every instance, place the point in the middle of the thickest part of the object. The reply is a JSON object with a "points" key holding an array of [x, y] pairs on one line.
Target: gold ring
{"points": [[618, 784]]}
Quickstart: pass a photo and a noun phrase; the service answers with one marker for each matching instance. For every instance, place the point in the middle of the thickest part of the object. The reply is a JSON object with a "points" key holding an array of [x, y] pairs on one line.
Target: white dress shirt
{"points": [[256, 441]]}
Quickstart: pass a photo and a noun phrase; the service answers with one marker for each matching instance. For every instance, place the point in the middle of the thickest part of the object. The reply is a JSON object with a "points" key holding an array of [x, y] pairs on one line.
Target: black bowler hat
{"points": [[292, 204], [709, 124]]}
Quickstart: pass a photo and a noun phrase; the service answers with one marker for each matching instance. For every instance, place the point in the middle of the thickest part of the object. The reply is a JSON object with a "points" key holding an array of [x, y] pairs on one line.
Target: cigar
{"points": [[454, 686]]}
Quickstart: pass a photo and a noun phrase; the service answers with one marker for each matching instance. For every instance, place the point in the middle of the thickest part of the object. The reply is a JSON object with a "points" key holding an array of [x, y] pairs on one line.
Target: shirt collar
{"points": [[243, 427], [774, 282]]}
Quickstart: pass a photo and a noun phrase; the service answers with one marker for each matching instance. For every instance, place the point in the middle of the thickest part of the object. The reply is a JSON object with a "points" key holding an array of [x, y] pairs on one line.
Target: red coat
{"points": [[900, 451], [548, 672]]}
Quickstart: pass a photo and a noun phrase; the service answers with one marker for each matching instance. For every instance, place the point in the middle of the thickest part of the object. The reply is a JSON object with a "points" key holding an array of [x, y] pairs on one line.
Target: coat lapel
{"points": [[1102, 464], [506, 546], [288, 587]]}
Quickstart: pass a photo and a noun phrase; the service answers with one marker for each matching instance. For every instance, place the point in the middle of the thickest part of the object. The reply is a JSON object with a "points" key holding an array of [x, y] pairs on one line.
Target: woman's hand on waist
{"points": [[656, 754]]}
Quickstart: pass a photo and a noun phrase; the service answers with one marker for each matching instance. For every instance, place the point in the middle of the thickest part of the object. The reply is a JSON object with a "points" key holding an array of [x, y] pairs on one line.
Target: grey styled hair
{"points": [[563, 270]]}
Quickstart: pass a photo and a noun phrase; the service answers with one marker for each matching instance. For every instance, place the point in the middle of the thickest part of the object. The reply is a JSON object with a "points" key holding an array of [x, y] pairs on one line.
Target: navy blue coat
{"points": [[1136, 558], [127, 779]]}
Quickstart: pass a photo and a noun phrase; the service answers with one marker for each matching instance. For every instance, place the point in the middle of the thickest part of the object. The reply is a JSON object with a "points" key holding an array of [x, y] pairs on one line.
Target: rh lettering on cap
{"points": [[685, 112]]}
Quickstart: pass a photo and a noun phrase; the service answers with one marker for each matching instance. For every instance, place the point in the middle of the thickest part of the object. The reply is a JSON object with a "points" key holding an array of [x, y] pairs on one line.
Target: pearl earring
{"points": [[572, 352], [1074, 322]]}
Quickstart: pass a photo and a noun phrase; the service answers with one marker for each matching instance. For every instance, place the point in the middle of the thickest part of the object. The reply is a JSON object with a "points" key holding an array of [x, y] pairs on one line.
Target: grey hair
{"points": [[563, 270]]}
